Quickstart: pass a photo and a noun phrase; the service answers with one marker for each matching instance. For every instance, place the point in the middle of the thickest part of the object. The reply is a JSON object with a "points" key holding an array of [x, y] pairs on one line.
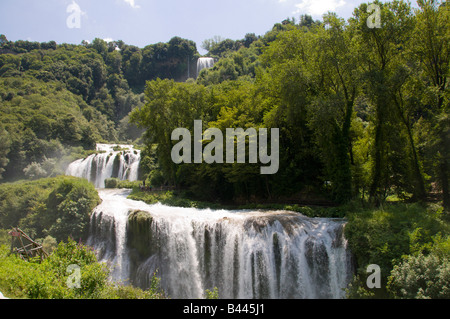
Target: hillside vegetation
{"points": [[50, 208], [363, 116]]}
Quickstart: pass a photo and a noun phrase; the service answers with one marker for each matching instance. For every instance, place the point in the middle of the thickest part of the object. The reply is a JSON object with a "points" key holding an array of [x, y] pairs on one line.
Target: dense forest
{"points": [[363, 115], [362, 112], [60, 99]]}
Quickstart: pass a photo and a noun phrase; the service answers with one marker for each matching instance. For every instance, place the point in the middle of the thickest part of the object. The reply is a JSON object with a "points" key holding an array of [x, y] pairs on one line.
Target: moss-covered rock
{"points": [[139, 234]]}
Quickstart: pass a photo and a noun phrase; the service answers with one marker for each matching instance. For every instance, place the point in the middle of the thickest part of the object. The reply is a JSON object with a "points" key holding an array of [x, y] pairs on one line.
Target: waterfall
{"points": [[121, 161], [107, 233], [204, 63], [245, 254]]}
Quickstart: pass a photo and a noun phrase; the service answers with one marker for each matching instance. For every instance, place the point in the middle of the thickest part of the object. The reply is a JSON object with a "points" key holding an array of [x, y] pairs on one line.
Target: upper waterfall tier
{"points": [[204, 63], [113, 160]]}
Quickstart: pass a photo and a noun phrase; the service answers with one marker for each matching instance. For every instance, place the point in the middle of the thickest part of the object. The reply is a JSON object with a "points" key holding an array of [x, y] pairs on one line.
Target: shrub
{"points": [[70, 206], [49, 244], [59, 207], [49, 278], [212, 294], [383, 236], [117, 183], [111, 183], [425, 274], [421, 277], [34, 170]]}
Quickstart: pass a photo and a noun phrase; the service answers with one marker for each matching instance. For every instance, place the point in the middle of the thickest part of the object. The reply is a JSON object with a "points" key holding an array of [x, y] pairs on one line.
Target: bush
{"points": [[50, 279], [111, 183], [212, 294], [59, 207], [93, 278], [117, 183], [34, 171], [423, 275], [49, 244], [156, 178], [383, 236], [70, 206]]}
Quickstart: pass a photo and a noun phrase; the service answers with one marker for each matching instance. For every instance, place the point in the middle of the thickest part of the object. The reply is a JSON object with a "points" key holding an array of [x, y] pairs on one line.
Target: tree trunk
{"points": [[419, 190], [374, 191], [443, 168]]}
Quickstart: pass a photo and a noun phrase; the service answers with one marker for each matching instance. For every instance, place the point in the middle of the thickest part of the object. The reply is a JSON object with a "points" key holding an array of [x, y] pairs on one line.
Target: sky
{"points": [[144, 22]]}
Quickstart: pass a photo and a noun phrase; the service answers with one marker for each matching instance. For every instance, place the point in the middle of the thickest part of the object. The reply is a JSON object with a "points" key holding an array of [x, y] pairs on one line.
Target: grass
{"points": [[181, 199]]}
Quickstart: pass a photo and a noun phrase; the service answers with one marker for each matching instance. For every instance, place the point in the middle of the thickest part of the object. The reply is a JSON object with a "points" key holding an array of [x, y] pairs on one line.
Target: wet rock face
{"points": [[103, 234], [139, 234]]}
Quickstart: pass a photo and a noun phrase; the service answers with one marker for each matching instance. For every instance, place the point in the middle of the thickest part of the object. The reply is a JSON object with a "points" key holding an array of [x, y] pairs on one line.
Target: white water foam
{"points": [[245, 254]]}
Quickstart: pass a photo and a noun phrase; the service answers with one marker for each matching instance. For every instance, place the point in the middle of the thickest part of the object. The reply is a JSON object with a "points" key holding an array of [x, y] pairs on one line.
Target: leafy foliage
{"points": [[363, 116], [394, 238], [359, 109], [48, 280], [57, 207], [423, 275], [54, 97]]}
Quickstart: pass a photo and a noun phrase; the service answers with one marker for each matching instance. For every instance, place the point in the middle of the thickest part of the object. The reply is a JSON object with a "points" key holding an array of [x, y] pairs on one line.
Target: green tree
{"points": [[5, 143], [3, 39], [69, 208], [169, 106], [34, 171], [430, 43], [208, 44], [380, 54], [425, 274], [288, 88], [100, 46], [337, 77]]}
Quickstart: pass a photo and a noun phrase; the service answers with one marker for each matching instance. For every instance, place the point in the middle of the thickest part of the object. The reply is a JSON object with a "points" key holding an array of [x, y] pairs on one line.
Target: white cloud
{"points": [[318, 8], [132, 4]]}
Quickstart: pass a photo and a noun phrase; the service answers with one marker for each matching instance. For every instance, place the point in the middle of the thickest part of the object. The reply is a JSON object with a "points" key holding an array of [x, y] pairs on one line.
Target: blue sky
{"points": [[143, 22]]}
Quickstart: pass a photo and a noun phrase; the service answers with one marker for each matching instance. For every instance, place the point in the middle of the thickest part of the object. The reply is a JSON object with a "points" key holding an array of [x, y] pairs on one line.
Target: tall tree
{"points": [[337, 78], [288, 86], [4, 149], [170, 105], [431, 47], [379, 51]]}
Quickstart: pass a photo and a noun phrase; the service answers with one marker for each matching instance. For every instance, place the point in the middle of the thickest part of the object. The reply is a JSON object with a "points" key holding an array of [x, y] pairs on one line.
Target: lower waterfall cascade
{"points": [[245, 254]]}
